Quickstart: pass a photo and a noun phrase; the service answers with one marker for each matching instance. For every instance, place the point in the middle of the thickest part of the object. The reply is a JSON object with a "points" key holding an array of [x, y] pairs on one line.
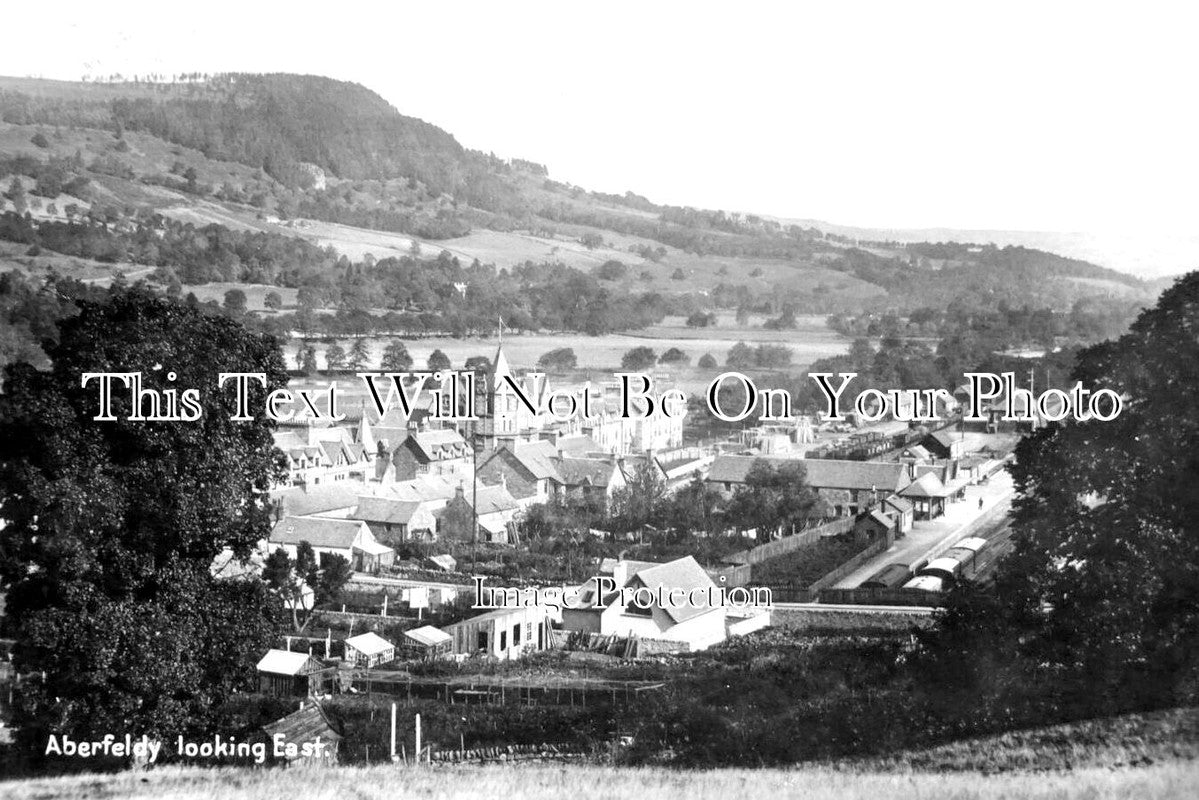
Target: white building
{"points": [[693, 620], [369, 650], [505, 633]]}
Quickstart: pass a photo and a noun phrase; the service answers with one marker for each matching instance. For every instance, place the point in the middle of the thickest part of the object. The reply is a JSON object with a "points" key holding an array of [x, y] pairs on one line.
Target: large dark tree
{"points": [[1101, 596], [774, 498], [396, 358], [111, 527]]}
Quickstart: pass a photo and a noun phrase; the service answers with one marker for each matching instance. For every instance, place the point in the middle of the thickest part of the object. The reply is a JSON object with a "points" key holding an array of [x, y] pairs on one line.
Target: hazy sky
{"points": [[1002, 116]]}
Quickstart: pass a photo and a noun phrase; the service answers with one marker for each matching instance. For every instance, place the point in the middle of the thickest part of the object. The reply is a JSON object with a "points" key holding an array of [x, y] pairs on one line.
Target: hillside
{"points": [[1124, 741], [270, 158], [1151, 257], [274, 122]]}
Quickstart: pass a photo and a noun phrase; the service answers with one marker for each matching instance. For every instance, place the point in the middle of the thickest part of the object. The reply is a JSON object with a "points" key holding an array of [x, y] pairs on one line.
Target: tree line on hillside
{"points": [[403, 175], [1016, 276], [1002, 327]]}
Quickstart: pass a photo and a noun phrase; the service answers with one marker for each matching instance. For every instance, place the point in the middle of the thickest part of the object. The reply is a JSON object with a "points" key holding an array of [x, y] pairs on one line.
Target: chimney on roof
{"points": [[620, 572], [460, 492]]}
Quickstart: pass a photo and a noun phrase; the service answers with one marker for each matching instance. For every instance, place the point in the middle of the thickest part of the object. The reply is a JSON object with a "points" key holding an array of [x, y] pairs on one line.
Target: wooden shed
{"points": [[285, 674], [369, 650], [426, 642]]}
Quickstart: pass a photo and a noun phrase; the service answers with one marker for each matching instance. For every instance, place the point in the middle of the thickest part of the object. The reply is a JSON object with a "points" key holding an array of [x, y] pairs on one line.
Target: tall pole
{"points": [[474, 500], [393, 731], [1032, 375], [418, 738]]}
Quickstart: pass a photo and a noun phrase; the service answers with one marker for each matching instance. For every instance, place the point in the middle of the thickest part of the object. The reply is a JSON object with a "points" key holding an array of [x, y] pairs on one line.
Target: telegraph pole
{"points": [[1032, 375], [474, 499]]}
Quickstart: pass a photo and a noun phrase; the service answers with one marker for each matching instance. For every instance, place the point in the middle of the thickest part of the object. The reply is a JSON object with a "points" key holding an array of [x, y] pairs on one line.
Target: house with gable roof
{"points": [[528, 469], [945, 444], [320, 455], [348, 538], [394, 520], [590, 480], [694, 622], [493, 506], [441, 451]]}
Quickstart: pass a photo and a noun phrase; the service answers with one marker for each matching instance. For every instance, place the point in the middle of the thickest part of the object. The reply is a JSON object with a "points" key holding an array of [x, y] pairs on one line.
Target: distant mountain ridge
{"points": [[1147, 257], [272, 121], [394, 173]]}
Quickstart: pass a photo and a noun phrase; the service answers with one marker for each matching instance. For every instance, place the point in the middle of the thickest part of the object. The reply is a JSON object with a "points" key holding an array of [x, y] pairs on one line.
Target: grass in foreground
{"points": [[1177, 779], [1129, 740]]}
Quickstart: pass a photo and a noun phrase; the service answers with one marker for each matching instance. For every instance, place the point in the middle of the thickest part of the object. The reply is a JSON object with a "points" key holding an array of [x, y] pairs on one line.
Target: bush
{"points": [[235, 300], [675, 356], [561, 359], [638, 359], [611, 270]]}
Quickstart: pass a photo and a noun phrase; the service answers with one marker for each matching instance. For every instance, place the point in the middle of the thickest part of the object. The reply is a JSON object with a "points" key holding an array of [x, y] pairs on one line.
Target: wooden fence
{"points": [[789, 544], [580, 693], [511, 752]]}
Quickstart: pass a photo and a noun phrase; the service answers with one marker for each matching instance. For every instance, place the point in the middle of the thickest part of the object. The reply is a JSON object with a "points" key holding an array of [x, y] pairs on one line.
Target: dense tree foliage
{"points": [[396, 358], [1104, 584], [1097, 610], [638, 359], [558, 359], [111, 526]]}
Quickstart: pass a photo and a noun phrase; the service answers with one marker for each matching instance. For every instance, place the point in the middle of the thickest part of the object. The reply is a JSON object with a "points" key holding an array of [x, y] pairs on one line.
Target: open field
{"points": [[810, 342], [509, 249], [555, 782], [255, 292]]}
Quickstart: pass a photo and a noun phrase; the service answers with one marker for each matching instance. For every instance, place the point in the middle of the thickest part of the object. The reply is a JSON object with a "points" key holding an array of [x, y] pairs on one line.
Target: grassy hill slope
{"points": [[336, 164]]}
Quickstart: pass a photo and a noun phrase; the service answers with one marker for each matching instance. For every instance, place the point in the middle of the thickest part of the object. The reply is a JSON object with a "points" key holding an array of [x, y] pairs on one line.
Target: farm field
{"points": [[509, 249], [552, 782], [812, 341]]}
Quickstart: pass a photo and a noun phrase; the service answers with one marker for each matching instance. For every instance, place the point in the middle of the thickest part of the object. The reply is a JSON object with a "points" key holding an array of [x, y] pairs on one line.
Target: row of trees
{"points": [[774, 499], [1001, 327], [292, 579], [436, 294]]}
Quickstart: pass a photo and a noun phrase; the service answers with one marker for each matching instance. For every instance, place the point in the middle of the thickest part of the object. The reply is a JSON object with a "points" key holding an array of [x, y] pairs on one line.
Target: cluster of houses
{"points": [[512, 632], [363, 487], [667, 607], [363, 490], [883, 495]]}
